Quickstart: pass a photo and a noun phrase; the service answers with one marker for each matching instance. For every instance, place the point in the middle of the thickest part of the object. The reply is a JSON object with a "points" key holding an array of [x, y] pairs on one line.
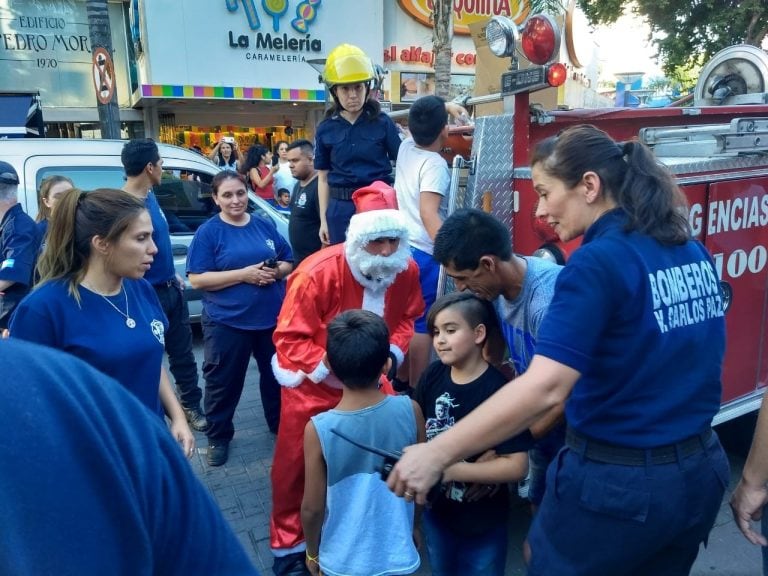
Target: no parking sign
{"points": [[103, 75]]}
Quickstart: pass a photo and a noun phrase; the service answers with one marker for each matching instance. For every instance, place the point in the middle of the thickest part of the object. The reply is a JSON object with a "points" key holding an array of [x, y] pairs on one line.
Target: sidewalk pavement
{"points": [[242, 489]]}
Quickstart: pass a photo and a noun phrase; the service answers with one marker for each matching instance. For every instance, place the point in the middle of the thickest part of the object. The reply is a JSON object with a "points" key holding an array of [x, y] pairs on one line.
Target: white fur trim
{"points": [[399, 356], [287, 378], [291, 378], [367, 226], [373, 301], [320, 373]]}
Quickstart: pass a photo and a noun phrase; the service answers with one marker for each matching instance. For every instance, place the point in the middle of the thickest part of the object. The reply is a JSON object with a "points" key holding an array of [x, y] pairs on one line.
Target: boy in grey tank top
{"points": [[365, 528]]}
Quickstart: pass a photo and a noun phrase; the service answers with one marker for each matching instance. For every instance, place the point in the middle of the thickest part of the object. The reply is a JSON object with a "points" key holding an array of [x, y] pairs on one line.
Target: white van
{"points": [[184, 193]]}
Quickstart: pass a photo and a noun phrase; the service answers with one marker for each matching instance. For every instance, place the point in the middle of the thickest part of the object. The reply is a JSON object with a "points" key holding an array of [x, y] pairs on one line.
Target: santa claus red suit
{"points": [[341, 277]]}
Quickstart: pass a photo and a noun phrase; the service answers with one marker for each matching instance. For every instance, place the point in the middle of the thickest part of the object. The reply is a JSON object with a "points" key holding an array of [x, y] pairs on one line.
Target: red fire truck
{"points": [[717, 148]]}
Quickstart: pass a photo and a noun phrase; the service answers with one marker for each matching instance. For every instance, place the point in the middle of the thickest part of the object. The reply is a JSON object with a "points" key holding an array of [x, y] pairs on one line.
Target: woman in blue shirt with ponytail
{"points": [[633, 343]]}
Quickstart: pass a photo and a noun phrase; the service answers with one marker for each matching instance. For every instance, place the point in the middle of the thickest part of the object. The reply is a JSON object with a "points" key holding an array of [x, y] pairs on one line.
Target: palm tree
{"points": [[101, 37]]}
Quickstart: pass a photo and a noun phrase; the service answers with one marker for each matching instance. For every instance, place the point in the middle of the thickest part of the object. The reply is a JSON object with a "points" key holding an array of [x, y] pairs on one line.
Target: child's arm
{"points": [[421, 427], [313, 504], [504, 468]]}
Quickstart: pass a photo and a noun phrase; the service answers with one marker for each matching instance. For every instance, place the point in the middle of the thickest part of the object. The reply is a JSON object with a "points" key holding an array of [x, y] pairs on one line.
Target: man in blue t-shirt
{"points": [[98, 484], [143, 170], [476, 251], [19, 244]]}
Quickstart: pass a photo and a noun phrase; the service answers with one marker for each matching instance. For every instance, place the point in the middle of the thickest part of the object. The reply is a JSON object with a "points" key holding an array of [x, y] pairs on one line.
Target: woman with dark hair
{"points": [[633, 342], [260, 172], [283, 177], [93, 302], [239, 261], [356, 143], [226, 153]]}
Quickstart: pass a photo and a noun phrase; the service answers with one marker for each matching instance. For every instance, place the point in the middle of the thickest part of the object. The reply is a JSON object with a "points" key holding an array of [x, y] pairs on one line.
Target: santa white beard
{"points": [[376, 272]]}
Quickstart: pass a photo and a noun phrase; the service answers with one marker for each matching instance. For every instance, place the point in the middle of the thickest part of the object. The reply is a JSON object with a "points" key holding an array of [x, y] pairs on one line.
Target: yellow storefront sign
{"points": [[466, 12]]}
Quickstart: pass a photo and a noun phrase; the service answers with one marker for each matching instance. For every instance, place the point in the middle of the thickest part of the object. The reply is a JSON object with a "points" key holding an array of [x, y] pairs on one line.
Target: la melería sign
{"points": [[274, 46], [271, 45]]}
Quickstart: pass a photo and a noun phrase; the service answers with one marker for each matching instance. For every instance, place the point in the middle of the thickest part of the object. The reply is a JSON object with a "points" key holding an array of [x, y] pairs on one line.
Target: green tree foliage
{"points": [[689, 32]]}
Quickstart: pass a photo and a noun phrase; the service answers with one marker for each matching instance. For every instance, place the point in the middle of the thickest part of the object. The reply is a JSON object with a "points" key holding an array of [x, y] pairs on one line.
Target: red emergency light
{"points": [[540, 39], [556, 74]]}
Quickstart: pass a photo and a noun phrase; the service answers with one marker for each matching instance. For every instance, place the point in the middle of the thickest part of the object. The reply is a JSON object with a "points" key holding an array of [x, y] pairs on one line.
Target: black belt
{"points": [[343, 192], [612, 454]]}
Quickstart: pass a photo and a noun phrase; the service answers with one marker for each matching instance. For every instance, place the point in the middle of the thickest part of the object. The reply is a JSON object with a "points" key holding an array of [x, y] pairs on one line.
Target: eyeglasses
{"points": [[9, 178]]}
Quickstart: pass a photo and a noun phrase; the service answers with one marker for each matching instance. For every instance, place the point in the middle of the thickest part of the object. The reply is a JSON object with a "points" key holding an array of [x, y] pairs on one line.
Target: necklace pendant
{"points": [[130, 322]]}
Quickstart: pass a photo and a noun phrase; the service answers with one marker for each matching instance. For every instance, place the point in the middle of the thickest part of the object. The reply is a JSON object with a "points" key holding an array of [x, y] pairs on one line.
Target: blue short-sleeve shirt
{"points": [[219, 246], [644, 325], [356, 154], [97, 333], [162, 268]]}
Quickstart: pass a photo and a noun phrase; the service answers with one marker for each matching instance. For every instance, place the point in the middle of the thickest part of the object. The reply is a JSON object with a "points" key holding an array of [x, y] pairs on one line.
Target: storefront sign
{"points": [[45, 46], [466, 12], [250, 49], [277, 47], [419, 55]]}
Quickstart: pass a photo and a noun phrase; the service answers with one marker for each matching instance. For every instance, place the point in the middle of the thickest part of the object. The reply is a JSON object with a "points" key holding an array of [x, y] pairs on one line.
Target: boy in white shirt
{"points": [[422, 180]]}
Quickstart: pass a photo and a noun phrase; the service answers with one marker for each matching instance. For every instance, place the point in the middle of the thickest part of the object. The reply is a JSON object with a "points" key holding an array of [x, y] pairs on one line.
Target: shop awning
{"points": [[21, 116]]}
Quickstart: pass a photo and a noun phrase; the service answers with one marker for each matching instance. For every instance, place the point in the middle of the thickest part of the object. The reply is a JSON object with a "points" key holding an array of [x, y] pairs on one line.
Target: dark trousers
{"points": [[227, 354], [338, 215], [599, 518], [178, 344]]}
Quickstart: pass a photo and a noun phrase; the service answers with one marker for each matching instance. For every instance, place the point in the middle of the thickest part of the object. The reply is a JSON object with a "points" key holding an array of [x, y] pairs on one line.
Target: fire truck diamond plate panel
{"points": [[489, 185]]}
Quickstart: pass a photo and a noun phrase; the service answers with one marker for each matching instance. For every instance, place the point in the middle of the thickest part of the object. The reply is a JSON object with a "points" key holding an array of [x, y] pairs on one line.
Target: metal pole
{"points": [[487, 99], [101, 37]]}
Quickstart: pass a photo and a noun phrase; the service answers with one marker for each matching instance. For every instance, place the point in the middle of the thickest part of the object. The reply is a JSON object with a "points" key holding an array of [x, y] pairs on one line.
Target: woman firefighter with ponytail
{"points": [[356, 143], [631, 348]]}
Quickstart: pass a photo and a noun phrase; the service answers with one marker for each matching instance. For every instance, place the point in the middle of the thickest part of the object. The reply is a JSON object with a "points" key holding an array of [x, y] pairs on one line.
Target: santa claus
{"points": [[372, 270]]}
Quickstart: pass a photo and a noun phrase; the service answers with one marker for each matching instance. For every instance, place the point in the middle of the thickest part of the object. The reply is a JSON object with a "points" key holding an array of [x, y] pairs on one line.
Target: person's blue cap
{"points": [[8, 174]]}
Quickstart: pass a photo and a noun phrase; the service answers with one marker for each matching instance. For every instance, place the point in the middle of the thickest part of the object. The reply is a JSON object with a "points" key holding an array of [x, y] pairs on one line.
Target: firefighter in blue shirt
{"points": [[19, 244], [633, 342], [356, 143]]}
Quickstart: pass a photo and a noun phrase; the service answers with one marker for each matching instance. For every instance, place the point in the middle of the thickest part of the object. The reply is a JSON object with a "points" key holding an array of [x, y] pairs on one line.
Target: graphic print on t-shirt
{"points": [[443, 419], [158, 330]]}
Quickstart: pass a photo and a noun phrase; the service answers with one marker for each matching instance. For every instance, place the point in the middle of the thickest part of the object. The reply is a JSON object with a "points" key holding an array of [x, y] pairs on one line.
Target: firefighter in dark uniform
{"points": [[633, 342], [19, 245]]}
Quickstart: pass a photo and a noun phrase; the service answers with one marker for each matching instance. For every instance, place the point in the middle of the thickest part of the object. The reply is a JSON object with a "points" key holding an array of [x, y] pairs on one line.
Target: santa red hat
{"points": [[376, 215]]}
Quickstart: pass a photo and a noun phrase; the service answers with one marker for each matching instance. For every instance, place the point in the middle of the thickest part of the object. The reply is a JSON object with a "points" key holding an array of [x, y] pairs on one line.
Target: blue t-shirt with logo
{"points": [[97, 333], [162, 268], [219, 246], [644, 325]]}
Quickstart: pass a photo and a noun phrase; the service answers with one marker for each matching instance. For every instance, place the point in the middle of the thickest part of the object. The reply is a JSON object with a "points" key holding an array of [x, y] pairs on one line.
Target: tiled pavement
{"points": [[242, 490]]}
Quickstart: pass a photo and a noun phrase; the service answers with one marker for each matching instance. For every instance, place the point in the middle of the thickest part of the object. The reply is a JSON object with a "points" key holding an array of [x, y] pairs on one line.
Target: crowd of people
{"points": [[608, 414]]}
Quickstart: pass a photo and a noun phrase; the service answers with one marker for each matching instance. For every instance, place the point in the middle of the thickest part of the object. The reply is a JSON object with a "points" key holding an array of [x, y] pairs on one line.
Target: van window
{"points": [[186, 199], [86, 177], [184, 195]]}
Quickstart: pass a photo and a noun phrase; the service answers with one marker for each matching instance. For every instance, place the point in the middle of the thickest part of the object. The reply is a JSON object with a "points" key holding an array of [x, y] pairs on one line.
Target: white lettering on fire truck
{"points": [[731, 215], [685, 295]]}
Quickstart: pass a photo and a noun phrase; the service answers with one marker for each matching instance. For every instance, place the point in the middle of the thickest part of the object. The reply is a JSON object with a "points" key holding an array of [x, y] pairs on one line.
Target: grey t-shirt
{"points": [[521, 318]]}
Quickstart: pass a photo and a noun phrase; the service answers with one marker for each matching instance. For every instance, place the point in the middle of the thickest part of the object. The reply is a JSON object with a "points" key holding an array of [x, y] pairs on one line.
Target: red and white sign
{"points": [[103, 75]]}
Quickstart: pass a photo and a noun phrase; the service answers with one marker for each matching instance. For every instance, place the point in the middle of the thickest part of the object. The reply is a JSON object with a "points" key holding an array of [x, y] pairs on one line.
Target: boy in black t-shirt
{"points": [[466, 527]]}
